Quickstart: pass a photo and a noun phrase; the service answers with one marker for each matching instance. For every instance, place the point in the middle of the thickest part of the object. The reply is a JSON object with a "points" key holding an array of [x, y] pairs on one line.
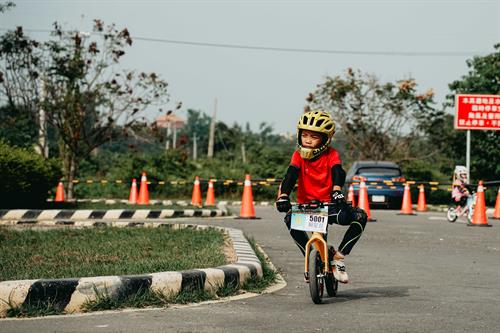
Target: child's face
{"points": [[310, 139]]}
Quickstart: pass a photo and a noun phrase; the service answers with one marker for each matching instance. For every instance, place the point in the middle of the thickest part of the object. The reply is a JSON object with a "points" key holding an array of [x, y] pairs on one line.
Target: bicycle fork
{"points": [[320, 244]]}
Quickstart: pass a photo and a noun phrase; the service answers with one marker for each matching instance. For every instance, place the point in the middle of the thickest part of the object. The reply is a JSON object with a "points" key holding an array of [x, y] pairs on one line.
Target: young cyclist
{"points": [[318, 170], [460, 189]]}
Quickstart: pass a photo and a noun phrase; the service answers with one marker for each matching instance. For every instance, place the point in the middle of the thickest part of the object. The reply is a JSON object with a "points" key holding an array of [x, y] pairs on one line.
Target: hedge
{"points": [[26, 177]]}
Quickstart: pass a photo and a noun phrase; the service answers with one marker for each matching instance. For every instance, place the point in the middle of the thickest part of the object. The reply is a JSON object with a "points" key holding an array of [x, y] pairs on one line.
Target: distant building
{"points": [[171, 122]]}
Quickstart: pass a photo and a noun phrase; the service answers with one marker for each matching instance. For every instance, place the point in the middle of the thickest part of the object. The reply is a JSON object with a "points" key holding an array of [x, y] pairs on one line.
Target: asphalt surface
{"points": [[407, 274]]}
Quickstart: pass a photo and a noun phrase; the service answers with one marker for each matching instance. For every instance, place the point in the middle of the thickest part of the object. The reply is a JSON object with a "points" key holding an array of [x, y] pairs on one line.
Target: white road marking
{"points": [[442, 218]]}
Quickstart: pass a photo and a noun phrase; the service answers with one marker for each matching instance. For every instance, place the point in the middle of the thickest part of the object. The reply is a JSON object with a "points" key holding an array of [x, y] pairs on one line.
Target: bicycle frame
{"points": [[467, 210]]}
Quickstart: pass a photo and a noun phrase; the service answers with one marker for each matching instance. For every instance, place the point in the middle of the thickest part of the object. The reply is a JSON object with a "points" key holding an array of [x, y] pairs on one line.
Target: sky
{"points": [[428, 40]]}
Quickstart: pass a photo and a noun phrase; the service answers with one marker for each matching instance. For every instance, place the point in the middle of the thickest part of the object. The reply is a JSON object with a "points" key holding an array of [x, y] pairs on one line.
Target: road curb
{"points": [[109, 214], [69, 295]]}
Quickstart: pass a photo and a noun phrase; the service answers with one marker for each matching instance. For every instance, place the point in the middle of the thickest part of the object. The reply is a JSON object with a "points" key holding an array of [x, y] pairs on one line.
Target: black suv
{"points": [[384, 180]]}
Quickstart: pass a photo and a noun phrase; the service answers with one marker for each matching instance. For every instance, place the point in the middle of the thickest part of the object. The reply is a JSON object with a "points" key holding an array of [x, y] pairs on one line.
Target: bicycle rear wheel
{"points": [[316, 282]]}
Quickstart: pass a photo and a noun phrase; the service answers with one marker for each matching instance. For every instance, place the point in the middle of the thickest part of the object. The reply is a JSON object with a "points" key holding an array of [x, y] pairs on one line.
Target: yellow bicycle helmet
{"points": [[317, 121]]}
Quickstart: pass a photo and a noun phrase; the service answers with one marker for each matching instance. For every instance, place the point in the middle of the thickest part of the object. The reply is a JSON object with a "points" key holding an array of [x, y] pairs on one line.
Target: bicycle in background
{"points": [[457, 210]]}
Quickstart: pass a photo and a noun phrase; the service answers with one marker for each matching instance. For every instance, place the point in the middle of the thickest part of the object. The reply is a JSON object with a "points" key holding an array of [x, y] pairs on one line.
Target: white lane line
{"points": [[442, 218]]}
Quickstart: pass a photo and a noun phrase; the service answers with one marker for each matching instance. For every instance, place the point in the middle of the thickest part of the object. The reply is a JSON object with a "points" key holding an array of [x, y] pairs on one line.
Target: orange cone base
{"points": [[372, 220], [479, 225], [247, 218]]}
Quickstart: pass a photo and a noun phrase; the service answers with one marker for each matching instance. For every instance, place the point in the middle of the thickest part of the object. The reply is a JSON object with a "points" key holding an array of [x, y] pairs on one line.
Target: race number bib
{"points": [[310, 220]]}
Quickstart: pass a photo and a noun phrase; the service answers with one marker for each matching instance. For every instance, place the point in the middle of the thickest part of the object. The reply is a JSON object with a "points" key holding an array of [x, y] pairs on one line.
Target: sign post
{"points": [[476, 112], [467, 152]]}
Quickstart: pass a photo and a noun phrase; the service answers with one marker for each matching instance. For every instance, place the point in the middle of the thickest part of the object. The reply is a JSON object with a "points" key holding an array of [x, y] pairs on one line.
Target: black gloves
{"points": [[338, 199], [283, 204]]}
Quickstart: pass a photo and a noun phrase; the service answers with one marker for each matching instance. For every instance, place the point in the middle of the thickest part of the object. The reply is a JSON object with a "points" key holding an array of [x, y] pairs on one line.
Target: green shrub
{"points": [[26, 177], [439, 197]]}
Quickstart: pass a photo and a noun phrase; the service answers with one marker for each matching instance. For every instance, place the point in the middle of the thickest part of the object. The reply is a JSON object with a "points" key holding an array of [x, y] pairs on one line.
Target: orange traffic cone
{"points": [[247, 210], [406, 207], [422, 204], [132, 198], [196, 196], [363, 202], [496, 213], [60, 192], [210, 201], [143, 192], [350, 196], [479, 218]]}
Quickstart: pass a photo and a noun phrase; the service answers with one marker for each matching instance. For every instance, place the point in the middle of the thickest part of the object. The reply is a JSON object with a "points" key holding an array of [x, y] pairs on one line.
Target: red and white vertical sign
{"points": [[477, 112]]}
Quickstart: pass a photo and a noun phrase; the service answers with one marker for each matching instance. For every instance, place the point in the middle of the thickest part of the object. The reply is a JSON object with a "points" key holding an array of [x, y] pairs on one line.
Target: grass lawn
{"points": [[72, 253]]}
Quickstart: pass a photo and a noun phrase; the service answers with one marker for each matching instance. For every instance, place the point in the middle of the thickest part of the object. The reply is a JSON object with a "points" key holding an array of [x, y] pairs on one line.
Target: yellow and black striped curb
{"points": [[124, 201], [21, 215], [265, 182], [224, 182], [160, 202], [69, 295]]}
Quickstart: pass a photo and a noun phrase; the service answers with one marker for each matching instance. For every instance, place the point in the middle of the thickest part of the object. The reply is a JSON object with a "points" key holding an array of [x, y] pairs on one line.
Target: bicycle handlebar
{"points": [[312, 205]]}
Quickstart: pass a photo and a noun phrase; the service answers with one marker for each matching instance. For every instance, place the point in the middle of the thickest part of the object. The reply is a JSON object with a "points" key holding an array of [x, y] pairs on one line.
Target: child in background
{"points": [[460, 192], [318, 170]]}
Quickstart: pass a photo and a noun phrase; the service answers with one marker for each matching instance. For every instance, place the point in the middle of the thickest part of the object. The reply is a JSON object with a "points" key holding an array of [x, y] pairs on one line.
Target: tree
{"points": [[17, 127], [379, 120], [6, 6], [197, 123], [483, 78], [88, 96], [19, 76]]}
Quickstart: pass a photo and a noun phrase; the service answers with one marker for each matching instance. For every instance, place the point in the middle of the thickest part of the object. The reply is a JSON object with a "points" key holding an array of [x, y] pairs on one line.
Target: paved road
{"points": [[408, 274]]}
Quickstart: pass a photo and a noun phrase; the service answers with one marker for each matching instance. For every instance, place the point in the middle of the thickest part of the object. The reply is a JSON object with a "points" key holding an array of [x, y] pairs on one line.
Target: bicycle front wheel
{"points": [[315, 276], [451, 214]]}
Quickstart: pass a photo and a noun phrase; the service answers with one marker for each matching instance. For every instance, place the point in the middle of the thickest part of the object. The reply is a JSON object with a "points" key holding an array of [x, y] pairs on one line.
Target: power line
{"points": [[303, 50], [293, 50]]}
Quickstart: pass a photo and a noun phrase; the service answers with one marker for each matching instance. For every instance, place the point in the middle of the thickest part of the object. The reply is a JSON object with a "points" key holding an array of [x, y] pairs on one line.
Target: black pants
{"points": [[355, 218]]}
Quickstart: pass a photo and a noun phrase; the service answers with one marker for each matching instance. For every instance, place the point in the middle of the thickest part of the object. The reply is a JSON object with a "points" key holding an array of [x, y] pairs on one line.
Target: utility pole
{"points": [[195, 148], [243, 153], [42, 147], [174, 139], [167, 139], [211, 135]]}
